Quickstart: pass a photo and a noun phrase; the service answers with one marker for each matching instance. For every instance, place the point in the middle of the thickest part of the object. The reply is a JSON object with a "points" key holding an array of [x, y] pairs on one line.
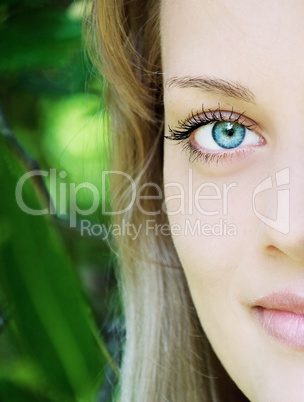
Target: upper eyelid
{"points": [[201, 118], [220, 115]]}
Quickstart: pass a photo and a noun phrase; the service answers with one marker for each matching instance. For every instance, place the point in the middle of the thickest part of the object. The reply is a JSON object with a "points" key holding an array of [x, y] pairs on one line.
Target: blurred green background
{"points": [[60, 324]]}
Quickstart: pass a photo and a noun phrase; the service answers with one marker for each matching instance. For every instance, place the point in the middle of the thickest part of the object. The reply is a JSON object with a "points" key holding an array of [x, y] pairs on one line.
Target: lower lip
{"points": [[284, 326]]}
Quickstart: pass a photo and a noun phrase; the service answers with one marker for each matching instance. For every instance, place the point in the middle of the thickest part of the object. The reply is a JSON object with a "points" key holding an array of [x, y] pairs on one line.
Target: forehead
{"points": [[233, 39]]}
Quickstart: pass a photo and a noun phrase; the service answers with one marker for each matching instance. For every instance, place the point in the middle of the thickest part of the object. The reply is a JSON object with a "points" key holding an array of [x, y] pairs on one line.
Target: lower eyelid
{"points": [[206, 157], [221, 150], [197, 153], [260, 141]]}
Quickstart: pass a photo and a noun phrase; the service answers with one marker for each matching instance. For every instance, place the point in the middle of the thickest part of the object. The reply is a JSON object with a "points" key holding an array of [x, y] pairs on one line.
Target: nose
{"points": [[281, 229]]}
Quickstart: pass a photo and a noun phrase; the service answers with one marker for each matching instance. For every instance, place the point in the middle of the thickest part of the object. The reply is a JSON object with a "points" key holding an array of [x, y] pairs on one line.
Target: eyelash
{"points": [[193, 122]]}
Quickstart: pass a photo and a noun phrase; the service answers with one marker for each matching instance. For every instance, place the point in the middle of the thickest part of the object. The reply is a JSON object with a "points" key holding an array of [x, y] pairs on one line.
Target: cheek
{"points": [[226, 263], [215, 241], [211, 217], [213, 229]]}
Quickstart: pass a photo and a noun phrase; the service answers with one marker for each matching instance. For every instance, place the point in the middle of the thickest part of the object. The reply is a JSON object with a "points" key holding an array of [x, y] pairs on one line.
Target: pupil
{"points": [[230, 132]]}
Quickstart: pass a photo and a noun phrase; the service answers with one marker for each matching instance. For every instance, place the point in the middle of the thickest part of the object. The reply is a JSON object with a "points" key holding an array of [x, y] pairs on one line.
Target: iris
{"points": [[228, 134]]}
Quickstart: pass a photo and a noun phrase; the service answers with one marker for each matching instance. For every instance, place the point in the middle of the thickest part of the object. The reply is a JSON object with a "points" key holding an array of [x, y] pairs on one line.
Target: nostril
{"points": [[273, 250]]}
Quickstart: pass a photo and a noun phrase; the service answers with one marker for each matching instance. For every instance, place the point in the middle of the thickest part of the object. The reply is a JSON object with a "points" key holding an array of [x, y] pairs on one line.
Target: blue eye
{"points": [[225, 135]]}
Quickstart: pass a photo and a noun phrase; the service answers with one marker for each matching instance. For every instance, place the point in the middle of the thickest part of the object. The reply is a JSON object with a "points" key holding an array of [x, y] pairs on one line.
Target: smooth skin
{"points": [[257, 45]]}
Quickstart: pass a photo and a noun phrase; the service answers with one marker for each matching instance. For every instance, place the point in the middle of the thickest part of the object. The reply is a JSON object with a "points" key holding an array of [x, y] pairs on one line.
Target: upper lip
{"points": [[284, 301]]}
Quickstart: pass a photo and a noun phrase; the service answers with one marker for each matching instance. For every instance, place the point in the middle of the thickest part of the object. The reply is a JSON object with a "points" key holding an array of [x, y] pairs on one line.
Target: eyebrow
{"points": [[214, 85]]}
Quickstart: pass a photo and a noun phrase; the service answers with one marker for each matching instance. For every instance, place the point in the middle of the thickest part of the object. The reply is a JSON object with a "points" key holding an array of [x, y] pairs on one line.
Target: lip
{"points": [[281, 315]]}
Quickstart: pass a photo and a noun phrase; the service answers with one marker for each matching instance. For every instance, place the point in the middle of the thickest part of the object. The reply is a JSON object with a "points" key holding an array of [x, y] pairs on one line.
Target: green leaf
{"points": [[51, 41], [52, 319]]}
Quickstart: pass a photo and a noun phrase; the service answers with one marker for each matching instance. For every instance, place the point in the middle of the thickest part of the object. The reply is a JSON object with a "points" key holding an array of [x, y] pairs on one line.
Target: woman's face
{"points": [[235, 187]]}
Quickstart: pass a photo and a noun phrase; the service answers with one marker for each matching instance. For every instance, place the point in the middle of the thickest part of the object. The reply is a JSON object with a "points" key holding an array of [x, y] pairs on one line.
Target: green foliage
{"points": [[51, 346], [39, 37]]}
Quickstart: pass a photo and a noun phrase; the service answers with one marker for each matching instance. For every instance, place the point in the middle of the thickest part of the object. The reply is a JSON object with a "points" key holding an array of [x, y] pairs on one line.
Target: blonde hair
{"points": [[166, 354]]}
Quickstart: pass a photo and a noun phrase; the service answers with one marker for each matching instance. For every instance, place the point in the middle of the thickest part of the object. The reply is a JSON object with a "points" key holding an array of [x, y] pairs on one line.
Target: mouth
{"points": [[281, 315]]}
